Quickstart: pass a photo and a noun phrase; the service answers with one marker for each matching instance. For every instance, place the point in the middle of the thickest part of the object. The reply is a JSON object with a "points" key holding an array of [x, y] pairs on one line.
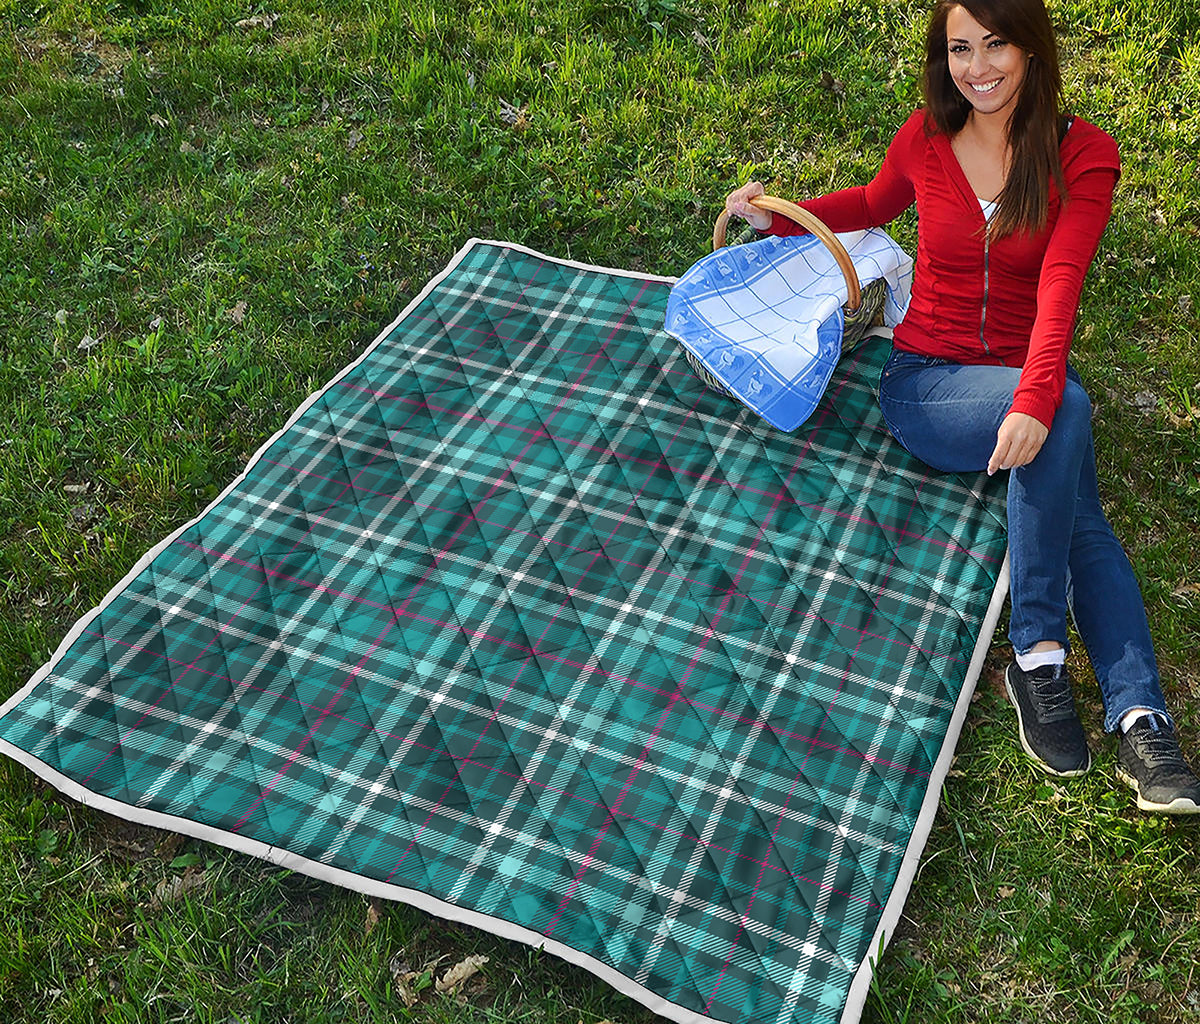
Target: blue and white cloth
{"points": [[766, 318]]}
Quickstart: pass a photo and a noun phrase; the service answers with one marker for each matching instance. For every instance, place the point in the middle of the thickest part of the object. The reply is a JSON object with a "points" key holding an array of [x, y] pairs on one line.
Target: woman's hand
{"points": [[1018, 441], [737, 203]]}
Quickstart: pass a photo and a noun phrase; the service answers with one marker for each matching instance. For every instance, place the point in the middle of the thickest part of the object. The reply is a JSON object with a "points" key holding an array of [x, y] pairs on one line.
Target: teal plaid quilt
{"points": [[517, 622]]}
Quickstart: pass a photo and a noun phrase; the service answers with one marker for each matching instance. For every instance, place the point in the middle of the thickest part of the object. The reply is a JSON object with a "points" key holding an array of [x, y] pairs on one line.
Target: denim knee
{"points": [[1075, 403], [1072, 426]]}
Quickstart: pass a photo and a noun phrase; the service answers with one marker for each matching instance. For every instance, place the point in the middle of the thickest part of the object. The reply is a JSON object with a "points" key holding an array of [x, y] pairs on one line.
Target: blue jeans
{"points": [[1062, 550]]}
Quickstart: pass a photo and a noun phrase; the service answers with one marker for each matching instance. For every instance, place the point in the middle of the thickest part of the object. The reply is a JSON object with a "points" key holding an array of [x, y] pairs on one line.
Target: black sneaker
{"points": [[1149, 760], [1050, 729]]}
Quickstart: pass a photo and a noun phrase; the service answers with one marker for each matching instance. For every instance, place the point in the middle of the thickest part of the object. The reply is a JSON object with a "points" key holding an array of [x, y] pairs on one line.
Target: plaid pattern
{"points": [[518, 615]]}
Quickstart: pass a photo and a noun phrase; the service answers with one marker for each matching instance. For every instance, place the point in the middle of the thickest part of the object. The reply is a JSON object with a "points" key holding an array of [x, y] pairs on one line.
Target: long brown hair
{"points": [[1036, 125]]}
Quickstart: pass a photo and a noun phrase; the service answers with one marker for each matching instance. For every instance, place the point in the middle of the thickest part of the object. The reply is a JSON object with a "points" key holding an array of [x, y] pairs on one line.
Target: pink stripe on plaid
{"points": [[571, 442], [678, 693], [635, 363], [666, 711], [282, 772], [527, 652], [616, 561], [485, 766], [799, 775], [512, 465]]}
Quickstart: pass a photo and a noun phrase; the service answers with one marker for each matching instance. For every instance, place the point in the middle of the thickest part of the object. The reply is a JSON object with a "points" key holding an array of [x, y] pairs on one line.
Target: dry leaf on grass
{"points": [[257, 21], [404, 988], [411, 983], [404, 978], [831, 84], [374, 913], [238, 313], [171, 889], [460, 972], [513, 115]]}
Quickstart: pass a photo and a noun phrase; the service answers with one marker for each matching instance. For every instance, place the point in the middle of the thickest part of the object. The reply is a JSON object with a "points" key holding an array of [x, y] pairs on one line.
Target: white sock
{"points": [[1128, 719], [1036, 659]]}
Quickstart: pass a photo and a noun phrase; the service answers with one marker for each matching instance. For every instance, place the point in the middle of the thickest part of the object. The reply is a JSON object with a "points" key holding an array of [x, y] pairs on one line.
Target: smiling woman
{"points": [[997, 91], [1012, 198]]}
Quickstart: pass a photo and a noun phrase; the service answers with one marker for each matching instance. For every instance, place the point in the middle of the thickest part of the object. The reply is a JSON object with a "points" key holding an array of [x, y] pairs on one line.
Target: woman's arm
{"points": [[880, 201], [1072, 247]]}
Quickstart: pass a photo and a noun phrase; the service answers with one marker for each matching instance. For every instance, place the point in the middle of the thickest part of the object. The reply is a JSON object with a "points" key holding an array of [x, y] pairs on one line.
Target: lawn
{"points": [[206, 209]]}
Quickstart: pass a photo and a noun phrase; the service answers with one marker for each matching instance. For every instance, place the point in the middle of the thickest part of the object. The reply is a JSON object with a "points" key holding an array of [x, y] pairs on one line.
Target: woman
{"points": [[1012, 198]]}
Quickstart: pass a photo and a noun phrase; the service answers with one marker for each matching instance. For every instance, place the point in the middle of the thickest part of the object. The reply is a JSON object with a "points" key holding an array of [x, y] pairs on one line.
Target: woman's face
{"points": [[987, 69]]}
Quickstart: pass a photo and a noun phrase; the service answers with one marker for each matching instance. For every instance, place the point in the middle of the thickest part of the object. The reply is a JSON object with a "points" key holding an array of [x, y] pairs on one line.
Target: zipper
{"points": [[983, 308]]}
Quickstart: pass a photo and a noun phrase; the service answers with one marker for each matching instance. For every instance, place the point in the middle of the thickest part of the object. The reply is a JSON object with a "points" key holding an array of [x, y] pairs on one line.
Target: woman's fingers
{"points": [[745, 192], [737, 203], [999, 454], [1018, 441]]}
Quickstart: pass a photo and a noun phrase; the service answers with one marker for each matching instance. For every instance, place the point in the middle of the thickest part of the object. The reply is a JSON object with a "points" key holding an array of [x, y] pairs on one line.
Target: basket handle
{"points": [[806, 220]]}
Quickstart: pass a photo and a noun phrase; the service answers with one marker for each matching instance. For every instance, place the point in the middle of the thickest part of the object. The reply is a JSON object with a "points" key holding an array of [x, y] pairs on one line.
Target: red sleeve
{"points": [[881, 201], [1091, 178]]}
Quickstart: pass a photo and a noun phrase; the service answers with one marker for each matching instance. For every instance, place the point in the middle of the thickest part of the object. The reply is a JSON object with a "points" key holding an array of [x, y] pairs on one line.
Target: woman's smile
{"points": [[986, 69]]}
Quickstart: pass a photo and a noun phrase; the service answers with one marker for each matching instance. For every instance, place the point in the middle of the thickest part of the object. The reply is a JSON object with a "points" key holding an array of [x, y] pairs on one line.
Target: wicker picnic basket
{"points": [[863, 307]]}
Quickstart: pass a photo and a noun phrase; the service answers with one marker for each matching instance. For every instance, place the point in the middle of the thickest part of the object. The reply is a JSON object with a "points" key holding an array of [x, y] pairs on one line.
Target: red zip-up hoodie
{"points": [[1010, 301]]}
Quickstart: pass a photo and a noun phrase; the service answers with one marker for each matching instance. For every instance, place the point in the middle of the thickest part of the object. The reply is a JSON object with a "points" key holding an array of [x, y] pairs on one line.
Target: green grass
{"points": [[230, 214]]}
